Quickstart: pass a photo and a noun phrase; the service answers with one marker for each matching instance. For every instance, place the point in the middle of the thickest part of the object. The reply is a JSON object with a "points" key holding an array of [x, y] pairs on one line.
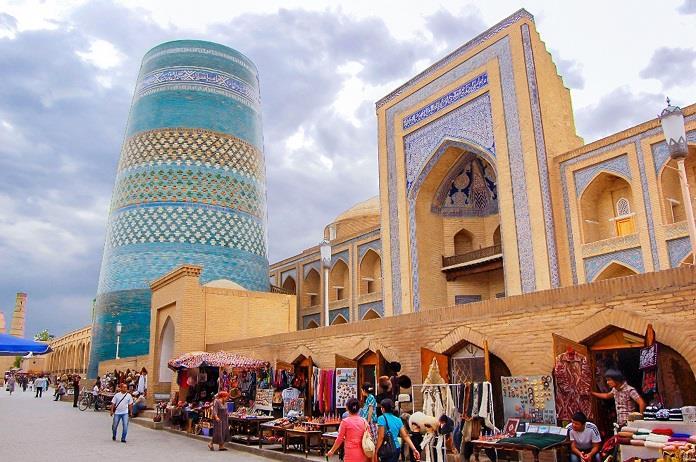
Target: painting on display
{"points": [[296, 404], [529, 398], [346, 386], [264, 399]]}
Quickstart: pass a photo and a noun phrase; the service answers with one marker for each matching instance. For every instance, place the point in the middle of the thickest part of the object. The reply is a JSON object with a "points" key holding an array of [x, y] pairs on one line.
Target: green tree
{"points": [[17, 361], [44, 336]]}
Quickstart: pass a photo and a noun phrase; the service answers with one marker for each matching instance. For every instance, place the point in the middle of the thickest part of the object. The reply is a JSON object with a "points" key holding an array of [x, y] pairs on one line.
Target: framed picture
{"points": [[511, 427]]}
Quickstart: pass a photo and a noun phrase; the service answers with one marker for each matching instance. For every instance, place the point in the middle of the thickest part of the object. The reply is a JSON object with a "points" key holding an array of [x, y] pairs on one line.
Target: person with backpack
{"points": [[389, 429]]}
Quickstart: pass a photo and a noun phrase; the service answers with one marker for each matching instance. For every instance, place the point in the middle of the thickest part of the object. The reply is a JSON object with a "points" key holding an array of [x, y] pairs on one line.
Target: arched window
{"points": [[623, 207]]}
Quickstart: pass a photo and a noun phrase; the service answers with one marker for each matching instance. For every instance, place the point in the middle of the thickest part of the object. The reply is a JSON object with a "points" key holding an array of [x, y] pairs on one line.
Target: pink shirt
{"points": [[350, 432]]}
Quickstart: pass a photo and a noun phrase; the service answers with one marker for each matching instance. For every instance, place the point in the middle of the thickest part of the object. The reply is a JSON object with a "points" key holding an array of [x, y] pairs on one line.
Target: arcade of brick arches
{"points": [[498, 242]]}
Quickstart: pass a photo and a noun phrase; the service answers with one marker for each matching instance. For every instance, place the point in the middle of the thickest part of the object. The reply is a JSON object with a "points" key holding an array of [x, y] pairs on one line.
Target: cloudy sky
{"points": [[68, 70]]}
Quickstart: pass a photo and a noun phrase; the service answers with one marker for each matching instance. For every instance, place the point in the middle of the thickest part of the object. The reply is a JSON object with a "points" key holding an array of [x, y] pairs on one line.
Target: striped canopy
{"points": [[219, 359]]}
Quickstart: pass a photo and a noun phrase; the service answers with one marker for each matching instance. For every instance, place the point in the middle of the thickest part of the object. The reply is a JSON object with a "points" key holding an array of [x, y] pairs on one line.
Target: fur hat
{"points": [[404, 381], [421, 420], [385, 383]]}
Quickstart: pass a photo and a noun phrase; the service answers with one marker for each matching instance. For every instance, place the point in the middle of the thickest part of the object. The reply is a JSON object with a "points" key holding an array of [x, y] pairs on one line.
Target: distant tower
{"points": [[190, 187], [17, 328]]}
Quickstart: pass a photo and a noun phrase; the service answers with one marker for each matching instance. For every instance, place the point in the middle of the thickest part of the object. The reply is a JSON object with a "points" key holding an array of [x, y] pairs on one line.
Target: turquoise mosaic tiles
{"points": [[196, 109], [135, 266], [125, 307], [190, 187]]}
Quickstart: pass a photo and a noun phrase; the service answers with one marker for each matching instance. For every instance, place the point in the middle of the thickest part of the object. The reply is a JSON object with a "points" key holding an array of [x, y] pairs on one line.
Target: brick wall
{"points": [[518, 329]]}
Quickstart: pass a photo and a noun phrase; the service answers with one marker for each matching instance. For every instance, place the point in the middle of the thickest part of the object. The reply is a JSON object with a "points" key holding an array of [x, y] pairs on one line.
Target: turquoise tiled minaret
{"points": [[190, 187]]}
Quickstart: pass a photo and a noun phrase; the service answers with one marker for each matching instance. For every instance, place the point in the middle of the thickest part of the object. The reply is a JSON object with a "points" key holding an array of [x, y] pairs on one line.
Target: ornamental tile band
{"points": [[192, 147], [633, 258], [617, 165], [542, 162], [678, 250], [612, 244], [452, 97]]}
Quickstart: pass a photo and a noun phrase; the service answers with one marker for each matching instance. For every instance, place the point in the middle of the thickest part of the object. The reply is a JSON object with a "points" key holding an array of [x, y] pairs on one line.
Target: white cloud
{"points": [[102, 55]]}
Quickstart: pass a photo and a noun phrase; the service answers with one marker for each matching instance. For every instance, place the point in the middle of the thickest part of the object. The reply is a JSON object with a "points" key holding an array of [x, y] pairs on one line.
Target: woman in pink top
{"points": [[350, 434]]}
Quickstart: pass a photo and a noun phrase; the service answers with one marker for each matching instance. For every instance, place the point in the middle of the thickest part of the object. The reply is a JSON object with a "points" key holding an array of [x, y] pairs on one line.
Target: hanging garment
{"points": [[486, 410], [573, 385]]}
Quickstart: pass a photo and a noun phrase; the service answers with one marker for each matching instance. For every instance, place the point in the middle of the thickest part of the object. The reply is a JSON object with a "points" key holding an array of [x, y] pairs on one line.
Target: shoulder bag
{"points": [[388, 450], [368, 446]]}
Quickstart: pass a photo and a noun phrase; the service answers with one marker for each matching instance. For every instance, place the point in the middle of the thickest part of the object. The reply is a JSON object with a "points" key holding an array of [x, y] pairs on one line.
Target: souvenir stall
{"points": [[201, 375], [661, 376]]}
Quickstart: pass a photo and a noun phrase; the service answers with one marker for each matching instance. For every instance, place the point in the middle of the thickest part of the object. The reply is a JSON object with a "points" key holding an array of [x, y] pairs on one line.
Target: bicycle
{"points": [[89, 400]]}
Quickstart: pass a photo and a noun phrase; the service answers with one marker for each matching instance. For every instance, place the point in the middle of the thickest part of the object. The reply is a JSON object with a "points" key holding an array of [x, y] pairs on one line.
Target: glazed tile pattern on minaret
{"points": [[190, 187]]}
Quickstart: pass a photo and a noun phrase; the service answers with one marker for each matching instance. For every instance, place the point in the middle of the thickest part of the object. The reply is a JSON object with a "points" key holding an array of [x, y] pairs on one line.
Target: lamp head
{"points": [[672, 121], [325, 250], [119, 327]]}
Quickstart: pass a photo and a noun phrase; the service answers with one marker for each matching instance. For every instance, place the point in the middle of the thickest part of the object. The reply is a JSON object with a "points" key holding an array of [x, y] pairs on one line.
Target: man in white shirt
{"points": [[584, 439], [121, 406]]}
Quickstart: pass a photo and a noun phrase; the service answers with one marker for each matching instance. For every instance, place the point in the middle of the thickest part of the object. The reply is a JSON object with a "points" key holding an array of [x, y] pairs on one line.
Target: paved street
{"points": [[40, 429]]}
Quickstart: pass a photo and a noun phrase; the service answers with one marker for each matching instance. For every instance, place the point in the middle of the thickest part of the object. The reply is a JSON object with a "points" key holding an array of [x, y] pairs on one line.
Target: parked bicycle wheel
{"points": [[85, 402]]}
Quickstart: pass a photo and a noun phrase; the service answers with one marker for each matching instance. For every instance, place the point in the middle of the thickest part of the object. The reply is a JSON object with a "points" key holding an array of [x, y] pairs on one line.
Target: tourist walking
{"points": [[11, 384], [390, 425], [369, 408], [76, 389], [221, 428], [40, 384], [121, 406], [350, 434]]}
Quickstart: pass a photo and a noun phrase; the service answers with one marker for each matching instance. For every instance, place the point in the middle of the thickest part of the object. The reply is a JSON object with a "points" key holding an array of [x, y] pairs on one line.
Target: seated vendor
{"points": [[139, 405], [584, 439]]}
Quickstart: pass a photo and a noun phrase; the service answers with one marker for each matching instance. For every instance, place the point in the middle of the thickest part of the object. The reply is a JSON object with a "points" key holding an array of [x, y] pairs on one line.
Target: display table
{"points": [[324, 427], [483, 444], [641, 452], [247, 430], [304, 437], [273, 429], [327, 441]]}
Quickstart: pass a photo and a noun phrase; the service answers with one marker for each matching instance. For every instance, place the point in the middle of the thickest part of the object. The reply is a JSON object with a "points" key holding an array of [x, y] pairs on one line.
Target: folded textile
{"points": [[623, 440], [680, 435], [628, 428], [654, 445], [643, 431], [669, 447], [637, 443], [678, 438], [662, 431], [678, 442], [540, 440], [625, 434], [692, 439], [640, 437], [657, 438], [634, 416]]}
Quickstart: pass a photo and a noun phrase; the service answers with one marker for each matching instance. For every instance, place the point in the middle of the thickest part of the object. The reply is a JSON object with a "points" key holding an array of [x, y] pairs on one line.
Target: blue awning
{"points": [[16, 346]]}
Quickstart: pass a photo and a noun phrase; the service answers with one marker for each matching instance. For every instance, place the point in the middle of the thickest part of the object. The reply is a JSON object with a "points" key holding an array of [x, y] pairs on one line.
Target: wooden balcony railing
{"points": [[473, 255], [280, 290]]}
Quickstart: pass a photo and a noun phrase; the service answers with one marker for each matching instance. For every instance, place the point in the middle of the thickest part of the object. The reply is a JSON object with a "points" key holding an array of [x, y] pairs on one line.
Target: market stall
{"points": [[201, 375]]}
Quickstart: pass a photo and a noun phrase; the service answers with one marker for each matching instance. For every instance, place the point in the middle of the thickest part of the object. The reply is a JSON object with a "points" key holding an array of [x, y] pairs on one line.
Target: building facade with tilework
{"points": [[496, 233], [190, 187], [486, 191]]}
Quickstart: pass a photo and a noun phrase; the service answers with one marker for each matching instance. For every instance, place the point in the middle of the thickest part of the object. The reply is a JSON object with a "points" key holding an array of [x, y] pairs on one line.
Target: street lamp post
{"points": [[325, 250], [119, 327], [672, 120]]}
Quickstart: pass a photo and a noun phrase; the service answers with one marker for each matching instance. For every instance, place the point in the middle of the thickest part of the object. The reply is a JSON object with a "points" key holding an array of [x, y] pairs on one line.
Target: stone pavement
{"points": [[41, 429]]}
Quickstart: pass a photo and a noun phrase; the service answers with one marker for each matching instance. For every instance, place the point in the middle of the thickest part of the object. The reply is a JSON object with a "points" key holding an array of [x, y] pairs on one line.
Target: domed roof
{"points": [[361, 209], [224, 284]]}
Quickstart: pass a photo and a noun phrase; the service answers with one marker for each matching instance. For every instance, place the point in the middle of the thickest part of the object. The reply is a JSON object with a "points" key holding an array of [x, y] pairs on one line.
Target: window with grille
{"points": [[623, 208]]}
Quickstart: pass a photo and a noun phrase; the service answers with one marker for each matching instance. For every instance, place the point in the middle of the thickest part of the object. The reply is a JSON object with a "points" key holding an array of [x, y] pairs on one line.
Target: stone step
{"points": [[149, 413], [146, 422]]}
